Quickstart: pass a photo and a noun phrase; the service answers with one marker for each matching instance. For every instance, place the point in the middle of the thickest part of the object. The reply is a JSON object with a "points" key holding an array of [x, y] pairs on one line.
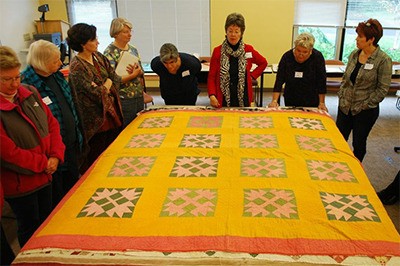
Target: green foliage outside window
{"points": [[325, 41]]}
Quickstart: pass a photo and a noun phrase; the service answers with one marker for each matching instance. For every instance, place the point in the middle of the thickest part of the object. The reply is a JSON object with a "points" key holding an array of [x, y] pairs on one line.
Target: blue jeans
{"points": [[361, 124], [31, 211], [130, 108]]}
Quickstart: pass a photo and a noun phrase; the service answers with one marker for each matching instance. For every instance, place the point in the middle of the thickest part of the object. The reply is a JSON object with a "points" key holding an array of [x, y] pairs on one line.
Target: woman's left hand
{"points": [[52, 165], [322, 106]]}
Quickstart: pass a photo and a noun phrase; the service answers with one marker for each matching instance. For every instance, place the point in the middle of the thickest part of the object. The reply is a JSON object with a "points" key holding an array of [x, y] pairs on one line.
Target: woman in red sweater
{"points": [[230, 80], [31, 147]]}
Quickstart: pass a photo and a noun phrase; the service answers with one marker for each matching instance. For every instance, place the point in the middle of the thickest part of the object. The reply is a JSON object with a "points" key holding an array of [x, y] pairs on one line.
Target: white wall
{"points": [[17, 18]]}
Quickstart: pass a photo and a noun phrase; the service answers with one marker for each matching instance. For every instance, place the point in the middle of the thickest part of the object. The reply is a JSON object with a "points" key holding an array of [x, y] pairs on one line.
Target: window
{"points": [[155, 22], [324, 19], [387, 12], [184, 23], [333, 23], [94, 12]]}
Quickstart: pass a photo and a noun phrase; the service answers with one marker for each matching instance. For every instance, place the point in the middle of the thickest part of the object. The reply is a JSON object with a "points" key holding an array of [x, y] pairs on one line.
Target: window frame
{"points": [[341, 32]]}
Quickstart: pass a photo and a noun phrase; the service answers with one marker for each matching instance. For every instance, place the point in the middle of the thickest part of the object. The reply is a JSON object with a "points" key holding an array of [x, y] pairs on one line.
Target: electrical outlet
{"points": [[27, 37]]}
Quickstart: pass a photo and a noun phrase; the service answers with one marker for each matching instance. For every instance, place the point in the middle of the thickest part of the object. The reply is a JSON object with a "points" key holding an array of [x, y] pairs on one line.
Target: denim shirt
{"points": [[372, 82]]}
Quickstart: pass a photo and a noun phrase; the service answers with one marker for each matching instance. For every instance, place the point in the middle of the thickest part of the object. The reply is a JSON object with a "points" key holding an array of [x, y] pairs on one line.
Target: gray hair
{"points": [[40, 53], [8, 58], [305, 40], [168, 51], [118, 24], [235, 19]]}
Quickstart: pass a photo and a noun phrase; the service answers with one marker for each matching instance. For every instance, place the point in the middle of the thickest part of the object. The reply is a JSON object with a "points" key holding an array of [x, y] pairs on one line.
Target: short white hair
{"points": [[305, 40], [40, 52]]}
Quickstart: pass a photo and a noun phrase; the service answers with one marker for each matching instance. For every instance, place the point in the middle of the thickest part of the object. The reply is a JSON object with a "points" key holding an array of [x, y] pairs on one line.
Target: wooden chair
{"points": [[333, 83], [256, 91]]}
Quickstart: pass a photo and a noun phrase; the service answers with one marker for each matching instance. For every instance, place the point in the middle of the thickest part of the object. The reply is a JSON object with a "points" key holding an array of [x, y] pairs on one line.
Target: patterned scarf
{"points": [[226, 52]]}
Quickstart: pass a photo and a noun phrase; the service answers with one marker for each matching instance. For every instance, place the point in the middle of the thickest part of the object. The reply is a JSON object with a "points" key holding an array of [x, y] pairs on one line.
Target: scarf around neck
{"points": [[226, 52]]}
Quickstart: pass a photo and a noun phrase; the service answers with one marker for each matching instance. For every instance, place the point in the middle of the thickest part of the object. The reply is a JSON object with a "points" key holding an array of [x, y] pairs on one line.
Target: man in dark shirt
{"points": [[178, 75]]}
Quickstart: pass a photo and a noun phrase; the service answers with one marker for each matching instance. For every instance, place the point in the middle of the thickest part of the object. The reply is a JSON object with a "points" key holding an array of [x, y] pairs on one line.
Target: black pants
{"points": [[31, 210], [67, 174], [7, 255], [361, 124]]}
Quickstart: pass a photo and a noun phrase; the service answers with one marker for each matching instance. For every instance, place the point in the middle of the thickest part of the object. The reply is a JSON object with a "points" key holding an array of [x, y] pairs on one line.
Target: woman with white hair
{"points": [[302, 71], [43, 73], [131, 90]]}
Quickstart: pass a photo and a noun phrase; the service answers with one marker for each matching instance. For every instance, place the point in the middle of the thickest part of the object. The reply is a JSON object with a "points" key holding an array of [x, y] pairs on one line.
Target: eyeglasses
{"points": [[231, 32], [302, 51], [368, 24], [11, 80]]}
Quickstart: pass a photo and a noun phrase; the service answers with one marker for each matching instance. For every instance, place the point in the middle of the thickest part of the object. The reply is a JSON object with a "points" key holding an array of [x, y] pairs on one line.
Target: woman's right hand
{"points": [[214, 101], [273, 104], [108, 84], [134, 71]]}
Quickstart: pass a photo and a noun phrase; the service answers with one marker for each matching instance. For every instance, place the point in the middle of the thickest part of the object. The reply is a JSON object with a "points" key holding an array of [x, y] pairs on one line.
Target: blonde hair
{"points": [[305, 40], [39, 54], [8, 58], [117, 25]]}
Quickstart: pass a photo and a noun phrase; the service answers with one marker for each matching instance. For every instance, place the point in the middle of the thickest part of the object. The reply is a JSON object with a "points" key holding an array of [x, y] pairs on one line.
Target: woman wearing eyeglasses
{"points": [[31, 148], [95, 86], [365, 84], [132, 87], [230, 78], [302, 71]]}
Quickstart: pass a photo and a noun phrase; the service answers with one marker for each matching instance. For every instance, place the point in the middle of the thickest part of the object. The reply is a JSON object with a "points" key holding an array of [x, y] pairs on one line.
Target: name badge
{"points": [[248, 55], [298, 74], [47, 100], [185, 73], [368, 66]]}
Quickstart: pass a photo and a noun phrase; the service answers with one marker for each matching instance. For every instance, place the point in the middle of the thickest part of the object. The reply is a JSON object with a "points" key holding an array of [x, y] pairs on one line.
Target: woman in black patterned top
{"points": [[95, 86]]}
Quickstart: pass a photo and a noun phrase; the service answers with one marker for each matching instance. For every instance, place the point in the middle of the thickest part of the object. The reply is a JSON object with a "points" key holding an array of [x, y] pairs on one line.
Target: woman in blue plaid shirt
{"points": [[43, 73]]}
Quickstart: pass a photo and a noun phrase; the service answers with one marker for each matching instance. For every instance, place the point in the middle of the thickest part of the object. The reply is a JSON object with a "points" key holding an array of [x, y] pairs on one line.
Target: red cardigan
{"points": [[253, 57]]}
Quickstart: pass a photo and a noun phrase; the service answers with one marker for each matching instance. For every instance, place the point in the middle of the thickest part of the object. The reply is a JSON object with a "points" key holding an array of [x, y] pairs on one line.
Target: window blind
{"points": [[320, 12], [184, 23], [94, 12]]}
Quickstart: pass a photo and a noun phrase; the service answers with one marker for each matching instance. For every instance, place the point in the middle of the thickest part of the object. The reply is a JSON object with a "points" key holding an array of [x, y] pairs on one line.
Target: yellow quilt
{"points": [[190, 186]]}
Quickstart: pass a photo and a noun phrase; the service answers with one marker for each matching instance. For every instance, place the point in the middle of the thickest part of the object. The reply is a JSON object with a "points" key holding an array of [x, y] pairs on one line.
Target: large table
{"points": [[198, 186]]}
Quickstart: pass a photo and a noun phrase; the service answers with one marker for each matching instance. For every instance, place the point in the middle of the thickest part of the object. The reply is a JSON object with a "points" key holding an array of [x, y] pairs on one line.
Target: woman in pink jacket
{"points": [[229, 79], [31, 147]]}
